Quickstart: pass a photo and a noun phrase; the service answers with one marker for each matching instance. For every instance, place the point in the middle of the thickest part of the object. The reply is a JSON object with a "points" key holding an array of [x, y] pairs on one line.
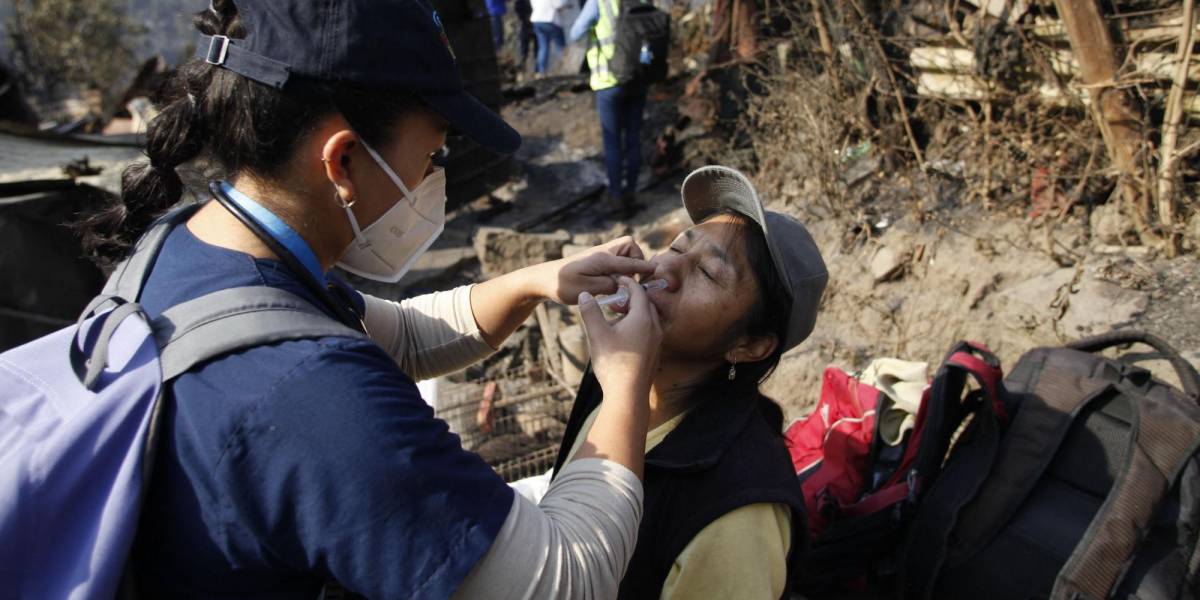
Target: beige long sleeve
{"points": [[428, 335], [575, 544]]}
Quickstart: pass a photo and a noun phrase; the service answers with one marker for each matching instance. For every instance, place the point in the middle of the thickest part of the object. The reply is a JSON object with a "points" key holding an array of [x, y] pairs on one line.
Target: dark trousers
{"points": [[548, 36], [620, 109], [497, 32], [525, 30]]}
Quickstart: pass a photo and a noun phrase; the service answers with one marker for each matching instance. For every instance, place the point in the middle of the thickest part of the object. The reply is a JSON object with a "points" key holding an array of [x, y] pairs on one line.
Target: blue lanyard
{"points": [[279, 230]]}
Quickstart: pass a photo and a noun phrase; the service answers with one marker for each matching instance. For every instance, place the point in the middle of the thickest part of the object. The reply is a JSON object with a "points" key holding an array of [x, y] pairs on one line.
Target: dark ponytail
{"points": [[236, 123], [173, 138], [149, 188]]}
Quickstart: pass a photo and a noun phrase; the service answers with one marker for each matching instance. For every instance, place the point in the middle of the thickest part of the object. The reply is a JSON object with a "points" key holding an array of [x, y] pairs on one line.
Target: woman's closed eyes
{"points": [[711, 272]]}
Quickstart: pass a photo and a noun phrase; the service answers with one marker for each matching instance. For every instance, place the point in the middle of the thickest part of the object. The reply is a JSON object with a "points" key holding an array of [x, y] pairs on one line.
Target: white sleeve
{"points": [[575, 544], [533, 488], [428, 335]]}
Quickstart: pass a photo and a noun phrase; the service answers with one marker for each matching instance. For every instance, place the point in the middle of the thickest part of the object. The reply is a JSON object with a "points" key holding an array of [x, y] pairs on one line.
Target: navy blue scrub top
{"points": [[285, 465]]}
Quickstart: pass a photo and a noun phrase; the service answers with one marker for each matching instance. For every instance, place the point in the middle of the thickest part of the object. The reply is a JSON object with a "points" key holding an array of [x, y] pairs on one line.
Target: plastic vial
{"points": [[622, 295]]}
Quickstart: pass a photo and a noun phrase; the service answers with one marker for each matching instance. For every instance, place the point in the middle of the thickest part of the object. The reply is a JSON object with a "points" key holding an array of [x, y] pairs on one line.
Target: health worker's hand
{"points": [[624, 351], [593, 271]]}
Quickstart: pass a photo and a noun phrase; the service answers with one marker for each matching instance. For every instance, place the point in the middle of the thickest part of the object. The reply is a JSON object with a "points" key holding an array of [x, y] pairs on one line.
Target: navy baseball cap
{"points": [[396, 45]]}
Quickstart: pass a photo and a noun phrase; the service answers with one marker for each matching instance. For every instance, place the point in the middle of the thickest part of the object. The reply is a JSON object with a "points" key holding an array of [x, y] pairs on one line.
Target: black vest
{"points": [[721, 457]]}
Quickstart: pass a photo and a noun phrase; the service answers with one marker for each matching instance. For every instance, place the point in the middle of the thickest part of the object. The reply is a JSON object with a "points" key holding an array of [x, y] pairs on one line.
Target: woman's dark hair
{"points": [[767, 316], [237, 124]]}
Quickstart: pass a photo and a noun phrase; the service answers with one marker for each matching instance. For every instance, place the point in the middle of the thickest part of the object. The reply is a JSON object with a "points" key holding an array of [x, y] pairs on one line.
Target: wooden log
{"points": [[1167, 67], [953, 86], [1112, 109], [1156, 65], [962, 60], [1016, 8], [1152, 29], [963, 86], [938, 58]]}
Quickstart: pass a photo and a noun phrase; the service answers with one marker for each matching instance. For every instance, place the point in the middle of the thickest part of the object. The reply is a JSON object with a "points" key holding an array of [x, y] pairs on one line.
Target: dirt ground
{"points": [[989, 279], [909, 287]]}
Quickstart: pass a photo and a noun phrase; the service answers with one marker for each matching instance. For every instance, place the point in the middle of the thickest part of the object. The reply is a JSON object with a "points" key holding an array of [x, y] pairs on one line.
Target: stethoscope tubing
{"points": [[347, 315]]}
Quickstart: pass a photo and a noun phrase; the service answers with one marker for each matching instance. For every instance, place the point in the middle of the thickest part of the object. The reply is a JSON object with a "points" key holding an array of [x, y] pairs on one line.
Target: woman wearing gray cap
{"points": [[724, 518], [286, 464]]}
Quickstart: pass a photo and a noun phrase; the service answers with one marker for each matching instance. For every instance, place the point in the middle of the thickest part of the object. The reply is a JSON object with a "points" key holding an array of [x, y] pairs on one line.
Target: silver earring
{"points": [[732, 371], [337, 197]]}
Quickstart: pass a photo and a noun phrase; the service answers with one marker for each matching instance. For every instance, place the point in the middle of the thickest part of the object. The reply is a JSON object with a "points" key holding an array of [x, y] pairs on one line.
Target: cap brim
{"points": [[470, 117], [713, 188]]}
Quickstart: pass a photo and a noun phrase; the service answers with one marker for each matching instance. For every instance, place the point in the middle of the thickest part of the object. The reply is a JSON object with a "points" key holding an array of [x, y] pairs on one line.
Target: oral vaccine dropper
{"points": [[622, 296]]}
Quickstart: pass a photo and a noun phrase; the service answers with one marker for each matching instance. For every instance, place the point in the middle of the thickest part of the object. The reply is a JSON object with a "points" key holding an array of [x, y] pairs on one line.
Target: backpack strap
{"points": [[130, 274], [1030, 443], [94, 364], [974, 452], [1188, 377], [1163, 439], [235, 318], [203, 328]]}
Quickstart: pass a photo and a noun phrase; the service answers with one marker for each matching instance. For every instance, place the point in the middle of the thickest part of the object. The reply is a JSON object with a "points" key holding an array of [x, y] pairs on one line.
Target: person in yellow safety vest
{"points": [[620, 106]]}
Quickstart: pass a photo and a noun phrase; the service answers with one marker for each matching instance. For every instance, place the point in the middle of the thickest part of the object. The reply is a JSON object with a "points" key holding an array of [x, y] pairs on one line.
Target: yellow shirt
{"points": [[742, 554]]}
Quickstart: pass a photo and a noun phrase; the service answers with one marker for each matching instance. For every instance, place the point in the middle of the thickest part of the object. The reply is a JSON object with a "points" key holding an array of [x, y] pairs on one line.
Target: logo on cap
{"points": [[437, 21]]}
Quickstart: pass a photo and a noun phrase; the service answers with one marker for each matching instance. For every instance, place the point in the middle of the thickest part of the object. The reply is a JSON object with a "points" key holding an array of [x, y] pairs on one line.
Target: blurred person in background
{"points": [[548, 29], [496, 10], [620, 106], [523, 10]]}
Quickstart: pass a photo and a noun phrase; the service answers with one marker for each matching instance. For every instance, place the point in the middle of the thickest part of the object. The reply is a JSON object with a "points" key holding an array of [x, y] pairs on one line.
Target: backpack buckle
{"points": [[913, 482], [218, 48]]}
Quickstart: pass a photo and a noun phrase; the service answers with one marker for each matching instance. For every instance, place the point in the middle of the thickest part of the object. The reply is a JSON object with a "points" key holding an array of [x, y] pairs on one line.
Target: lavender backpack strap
{"points": [[236, 318]]}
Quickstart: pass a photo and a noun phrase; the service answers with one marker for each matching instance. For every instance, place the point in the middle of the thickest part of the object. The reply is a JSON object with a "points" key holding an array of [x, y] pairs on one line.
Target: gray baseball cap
{"points": [[797, 259]]}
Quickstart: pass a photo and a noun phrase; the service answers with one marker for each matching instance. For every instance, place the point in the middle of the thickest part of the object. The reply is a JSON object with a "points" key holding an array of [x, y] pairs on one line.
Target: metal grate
{"points": [[534, 463], [518, 429]]}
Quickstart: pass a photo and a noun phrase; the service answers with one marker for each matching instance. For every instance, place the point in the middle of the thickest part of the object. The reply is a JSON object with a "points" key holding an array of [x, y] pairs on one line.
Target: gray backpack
{"points": [[79, 417], [1090, 490], [641, 41]]}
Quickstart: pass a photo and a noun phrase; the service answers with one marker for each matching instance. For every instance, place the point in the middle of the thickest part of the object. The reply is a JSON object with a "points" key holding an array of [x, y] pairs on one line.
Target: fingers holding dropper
{"points": [[620, 299]]}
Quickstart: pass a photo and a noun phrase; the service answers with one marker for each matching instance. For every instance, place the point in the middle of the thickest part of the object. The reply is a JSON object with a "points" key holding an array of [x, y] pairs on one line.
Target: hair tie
{"points": [[162, 169]]}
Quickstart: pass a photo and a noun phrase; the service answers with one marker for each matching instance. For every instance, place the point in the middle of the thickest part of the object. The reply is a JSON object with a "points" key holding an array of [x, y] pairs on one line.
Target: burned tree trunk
{"points": [[1093, 47], [734, 32]]}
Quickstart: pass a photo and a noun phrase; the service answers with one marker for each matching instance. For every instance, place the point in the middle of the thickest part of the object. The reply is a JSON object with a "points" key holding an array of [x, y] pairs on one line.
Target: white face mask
{"points": [[387, 248]]}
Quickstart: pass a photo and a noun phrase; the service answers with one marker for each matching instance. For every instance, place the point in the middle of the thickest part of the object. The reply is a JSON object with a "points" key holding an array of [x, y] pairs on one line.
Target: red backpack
{"points": [[860, 492]]}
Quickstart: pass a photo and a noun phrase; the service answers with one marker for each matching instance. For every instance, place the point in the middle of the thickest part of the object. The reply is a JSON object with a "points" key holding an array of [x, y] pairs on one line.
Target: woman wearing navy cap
{"points": [[288, 464]]}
